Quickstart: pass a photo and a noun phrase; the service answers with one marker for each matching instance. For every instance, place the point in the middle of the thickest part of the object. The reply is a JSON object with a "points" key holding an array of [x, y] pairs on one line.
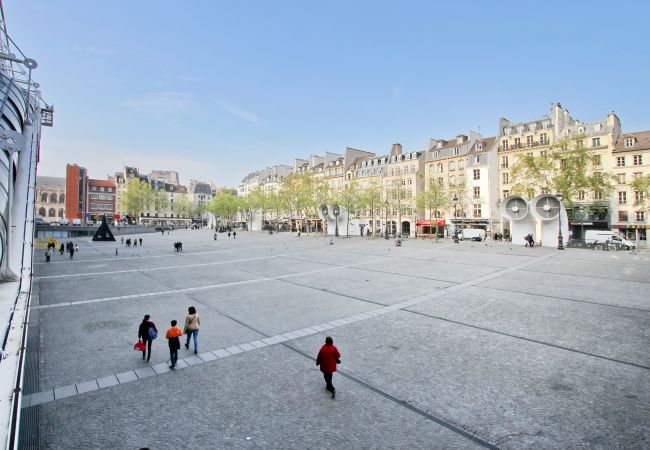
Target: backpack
{"points": [[153, 334]]}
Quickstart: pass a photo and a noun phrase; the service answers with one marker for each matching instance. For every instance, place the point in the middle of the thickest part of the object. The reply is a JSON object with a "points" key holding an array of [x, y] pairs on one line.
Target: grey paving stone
{"points": [[181, 364], [269, 341], [144, 372], [161, 368], [87, 386], [207, 356], [246, 347], [42, 397], [126, 377], [221, 353], [280, 338], [65, 391], [194, 360], [108, 381], [234, 350], [258, 344]]}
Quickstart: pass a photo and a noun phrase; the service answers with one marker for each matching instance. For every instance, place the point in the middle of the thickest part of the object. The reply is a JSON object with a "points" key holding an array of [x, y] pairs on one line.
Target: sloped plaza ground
{"points": [[443, 345]]}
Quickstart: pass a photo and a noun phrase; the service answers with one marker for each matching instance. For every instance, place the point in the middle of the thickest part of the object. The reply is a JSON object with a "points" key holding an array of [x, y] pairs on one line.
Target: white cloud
{"points": [[162, 103], [240, 113], [102, 158]]}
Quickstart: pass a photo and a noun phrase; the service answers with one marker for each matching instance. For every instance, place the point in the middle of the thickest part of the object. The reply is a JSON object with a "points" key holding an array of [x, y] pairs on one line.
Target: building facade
{"points": [[76, 184], [102, 199], [50, 198]]}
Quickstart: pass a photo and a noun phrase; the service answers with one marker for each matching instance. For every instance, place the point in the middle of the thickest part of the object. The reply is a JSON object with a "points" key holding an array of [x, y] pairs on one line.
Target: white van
{"points": [[602, 236], [473, 234]]}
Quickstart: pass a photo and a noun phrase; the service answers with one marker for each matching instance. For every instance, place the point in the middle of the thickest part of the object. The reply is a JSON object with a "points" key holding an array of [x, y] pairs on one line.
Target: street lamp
{"points": [[386, 222], [456, 240], [336, 210], [560, 244]]}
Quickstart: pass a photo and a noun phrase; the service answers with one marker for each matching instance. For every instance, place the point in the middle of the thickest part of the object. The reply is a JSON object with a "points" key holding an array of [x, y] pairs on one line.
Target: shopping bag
{"points": [[140, 346]]}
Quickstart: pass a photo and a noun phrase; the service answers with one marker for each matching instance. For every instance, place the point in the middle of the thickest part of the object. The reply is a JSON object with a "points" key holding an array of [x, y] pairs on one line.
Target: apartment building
{"points": [[50, 198], [102, 198], [630, 160], [76, 184]]}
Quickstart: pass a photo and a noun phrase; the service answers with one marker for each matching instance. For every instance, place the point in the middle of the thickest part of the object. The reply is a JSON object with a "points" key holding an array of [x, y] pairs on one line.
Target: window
{"points": [[596, 160], [621, 178], [52, 198], [441, 182], [622, 198], [529, 141], [43, 197], [581, 195], [636, 175], [477, 159], [504, 178], [638, 196], [543, 139], [504, 162], [452, 180], [477, 210], [461, 180], [41, 211], [622, 216], [637, 160], [620, 161], [504, 145], [456, 150], [440, 168], [479, 146], [598, 195], [62, 198], [640, 216], [477, 192], [61, 212], [629, 142], [580, 144], [51, 212], [529, 154], [477, 174], [543, 153], [452, 166], [461, 164], [517, 143], [595, 142], [506, 193]]}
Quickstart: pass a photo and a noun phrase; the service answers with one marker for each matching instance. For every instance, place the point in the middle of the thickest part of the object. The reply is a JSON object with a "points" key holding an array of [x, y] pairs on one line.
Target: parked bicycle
{"points": [[607, 245]]}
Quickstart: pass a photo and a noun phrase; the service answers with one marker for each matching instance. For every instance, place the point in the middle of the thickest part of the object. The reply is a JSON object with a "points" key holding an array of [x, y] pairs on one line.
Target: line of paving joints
{"points": [[196, 288], [608, 305], [133, 375], [600, 277]]}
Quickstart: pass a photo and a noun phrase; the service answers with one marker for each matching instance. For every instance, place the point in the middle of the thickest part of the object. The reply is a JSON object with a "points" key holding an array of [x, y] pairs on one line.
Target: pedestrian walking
{"points": [[116, 251], [147, 332], [173, 335], [140, 242], [234, 235], [229, 235], [215, 236], [328, 357], [76, 248], [122, 240], [62, 248], [135, 242], [48, 253], [191, 329], [71, 252]]}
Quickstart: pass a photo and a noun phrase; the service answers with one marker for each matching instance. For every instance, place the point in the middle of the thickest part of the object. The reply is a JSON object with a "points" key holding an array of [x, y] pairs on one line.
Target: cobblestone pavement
{"points": [[444, 345]]}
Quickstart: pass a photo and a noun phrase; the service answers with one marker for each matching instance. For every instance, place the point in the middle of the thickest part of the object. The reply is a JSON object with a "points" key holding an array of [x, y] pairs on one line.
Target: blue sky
{"points": [[218, 89]]}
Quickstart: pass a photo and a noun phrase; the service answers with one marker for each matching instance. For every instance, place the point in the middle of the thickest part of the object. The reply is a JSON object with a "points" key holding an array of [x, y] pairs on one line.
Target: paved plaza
{"points": [[443, 345]]}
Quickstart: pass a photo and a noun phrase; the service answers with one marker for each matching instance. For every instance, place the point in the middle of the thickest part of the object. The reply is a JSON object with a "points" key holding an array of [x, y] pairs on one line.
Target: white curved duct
{"points": [[516, 210], [546, 208]]}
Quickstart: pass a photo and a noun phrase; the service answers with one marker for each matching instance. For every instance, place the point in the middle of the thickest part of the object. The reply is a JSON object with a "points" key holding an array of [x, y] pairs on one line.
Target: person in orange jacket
{"points": [[173, 335], [328, 358]]}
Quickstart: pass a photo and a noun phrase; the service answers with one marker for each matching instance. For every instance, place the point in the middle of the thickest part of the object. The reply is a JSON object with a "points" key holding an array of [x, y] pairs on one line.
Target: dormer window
{"points": [[507, 131], [456, 151], [629, 142], [532, 126], [520, 129], [436, 154]]}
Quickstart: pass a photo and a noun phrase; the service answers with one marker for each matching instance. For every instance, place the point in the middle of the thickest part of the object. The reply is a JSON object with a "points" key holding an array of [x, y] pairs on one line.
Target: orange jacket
{"points": [[173, 332]]}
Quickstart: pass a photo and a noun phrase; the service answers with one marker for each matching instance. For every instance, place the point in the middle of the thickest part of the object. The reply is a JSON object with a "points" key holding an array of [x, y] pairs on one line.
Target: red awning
{"points": [[425, 223]]}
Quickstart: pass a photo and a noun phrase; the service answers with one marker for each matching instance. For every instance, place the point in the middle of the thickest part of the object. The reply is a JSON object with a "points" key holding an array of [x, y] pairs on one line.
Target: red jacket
{"points": [[327, 357]]}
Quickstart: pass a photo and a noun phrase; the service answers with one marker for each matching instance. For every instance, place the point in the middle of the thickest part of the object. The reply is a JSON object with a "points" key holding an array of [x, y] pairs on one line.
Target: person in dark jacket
{"points": [[173, 336], [327, 359], [145, 336]]}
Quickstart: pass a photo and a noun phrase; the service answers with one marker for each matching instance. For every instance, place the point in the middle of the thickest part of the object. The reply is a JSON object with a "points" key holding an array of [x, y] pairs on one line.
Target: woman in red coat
{"points": [[328, 358]]}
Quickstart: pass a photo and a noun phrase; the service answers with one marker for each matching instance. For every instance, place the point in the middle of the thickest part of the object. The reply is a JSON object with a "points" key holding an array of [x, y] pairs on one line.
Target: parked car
{"points": [[594, 236], [76, 222], [474, 234]]}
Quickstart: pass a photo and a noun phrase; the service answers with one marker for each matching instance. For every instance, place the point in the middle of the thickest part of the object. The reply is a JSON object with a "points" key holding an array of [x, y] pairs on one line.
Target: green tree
{"points": [[137, 198], [224, 205], [642, 184], [433, 199], [160, 201], [350, 198], [370, 199], [567, 167], [183, 207], [259, 201]]}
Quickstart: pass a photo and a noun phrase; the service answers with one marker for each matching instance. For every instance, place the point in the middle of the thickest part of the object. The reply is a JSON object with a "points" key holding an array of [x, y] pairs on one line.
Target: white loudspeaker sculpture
{"points": [[333, 214], [516, 210], [547, 208]]}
